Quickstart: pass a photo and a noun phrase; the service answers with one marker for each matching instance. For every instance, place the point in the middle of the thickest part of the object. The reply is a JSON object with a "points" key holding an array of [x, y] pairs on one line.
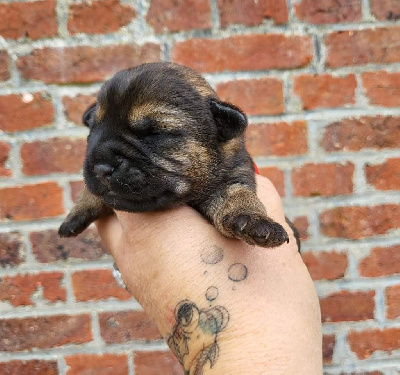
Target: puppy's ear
{"points": [[89, 114], [230, 120]]}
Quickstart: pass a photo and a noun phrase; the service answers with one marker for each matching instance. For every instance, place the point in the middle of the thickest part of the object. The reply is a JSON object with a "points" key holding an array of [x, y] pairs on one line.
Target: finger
{"points": [[110, 231]]}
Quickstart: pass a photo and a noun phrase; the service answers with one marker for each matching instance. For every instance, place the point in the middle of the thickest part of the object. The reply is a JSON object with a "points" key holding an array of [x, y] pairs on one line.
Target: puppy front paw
{"points": [[72, 226], [255, 229]]}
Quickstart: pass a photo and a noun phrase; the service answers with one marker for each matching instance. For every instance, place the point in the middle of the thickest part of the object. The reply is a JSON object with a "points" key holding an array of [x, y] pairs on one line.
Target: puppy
{"points": [[160, 137]]}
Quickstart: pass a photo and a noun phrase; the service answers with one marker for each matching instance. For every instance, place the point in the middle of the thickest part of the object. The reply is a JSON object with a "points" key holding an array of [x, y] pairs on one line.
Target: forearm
{"points": [[267, 301]]}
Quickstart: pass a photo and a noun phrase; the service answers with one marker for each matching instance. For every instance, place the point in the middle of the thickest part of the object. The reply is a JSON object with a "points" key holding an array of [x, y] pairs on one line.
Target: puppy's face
{"points": [[155, 137]]}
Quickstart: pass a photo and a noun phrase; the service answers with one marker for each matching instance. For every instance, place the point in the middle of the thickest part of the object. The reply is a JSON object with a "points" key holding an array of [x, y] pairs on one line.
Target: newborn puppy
{"points": [[160, 137]]}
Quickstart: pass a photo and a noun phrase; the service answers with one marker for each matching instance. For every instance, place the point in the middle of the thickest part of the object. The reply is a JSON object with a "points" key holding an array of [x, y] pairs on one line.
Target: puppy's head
{"points": [[156, 135]]}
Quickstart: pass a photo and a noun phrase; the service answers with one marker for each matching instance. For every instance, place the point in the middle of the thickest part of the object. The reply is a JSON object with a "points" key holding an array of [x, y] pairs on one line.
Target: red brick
{"points": [[280, 139], [177, 15], [276, 176], [328, 11], [384, 176], [360, 47], [377, 132], [48, 247], [311, 180], [12, 249], [382, 88], [76, 187], [74, 107], [31, 202], [44, 332], [360, 222], [124, 326], [84, 64], [250, 13], [328, 345], [92, 364], [245, 52], [4, 155], [347, 306], [53, 156], [18, 290], [254, 96], [25, 112], [93, 285], [99, 17], [32, 20], [325, 265], [155, 363], [392, 294], [385, 9], [382, 261], [301, 223], [365, 343], [30, 367], [4, 66], [325, 91]]}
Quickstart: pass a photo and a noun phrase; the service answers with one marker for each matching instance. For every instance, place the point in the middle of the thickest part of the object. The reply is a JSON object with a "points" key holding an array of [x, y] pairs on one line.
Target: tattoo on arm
{"points": [[194, 338]]}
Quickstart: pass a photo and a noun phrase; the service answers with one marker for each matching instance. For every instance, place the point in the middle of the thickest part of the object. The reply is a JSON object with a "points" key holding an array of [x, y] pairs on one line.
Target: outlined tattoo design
{"points": [[212, 293], [194, 339], [212, 255], [237, 272]]}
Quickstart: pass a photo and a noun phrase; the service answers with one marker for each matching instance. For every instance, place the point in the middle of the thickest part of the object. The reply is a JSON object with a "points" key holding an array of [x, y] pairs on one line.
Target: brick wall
{"points": [[320, 81]]}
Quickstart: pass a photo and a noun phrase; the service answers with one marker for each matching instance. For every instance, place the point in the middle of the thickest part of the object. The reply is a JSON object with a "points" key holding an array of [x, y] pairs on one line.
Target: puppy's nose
{"points": [[103, 172]]}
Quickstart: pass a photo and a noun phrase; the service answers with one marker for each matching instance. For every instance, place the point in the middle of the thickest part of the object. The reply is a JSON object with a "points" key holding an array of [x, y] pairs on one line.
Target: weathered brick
{"points": [[347, 306], [124, 326], [254, 96], [93, 285], [25, 112], [32, 20], [177, 15], [84, 64], [384, 176], [250, 13], [12, 249], [325, 91], [4, 66], [99, 17], [53, 156], [328, 345], [328, 11], [280, 139], [359, 47], [364, 343], [29, 367], [155, 363], [74, 107], [301, 223], [385, 9], [360, 222], [245, 52], [48, 247], [93, 364], [76, 187], [325, 265], [44, 332], [392, 295], [31, 202], [276, 176], [382, 88], [326, 179], [382, 261], [4, 155], [18, 290], [378, 132]]}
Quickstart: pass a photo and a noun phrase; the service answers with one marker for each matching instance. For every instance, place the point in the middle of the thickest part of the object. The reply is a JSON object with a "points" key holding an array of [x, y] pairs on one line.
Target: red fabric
{"points": [[256, 168]]}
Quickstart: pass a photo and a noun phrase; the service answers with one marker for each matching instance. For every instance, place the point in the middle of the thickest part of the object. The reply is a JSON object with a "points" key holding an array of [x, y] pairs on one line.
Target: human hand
{"points": [[255, 307]]}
